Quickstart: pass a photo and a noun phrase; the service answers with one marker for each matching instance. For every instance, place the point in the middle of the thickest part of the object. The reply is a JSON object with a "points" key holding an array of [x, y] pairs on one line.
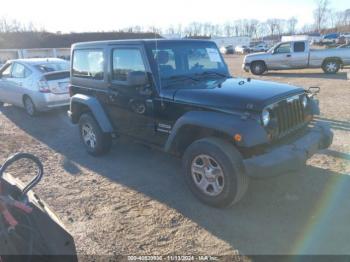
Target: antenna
{"points": [[158, 68]]}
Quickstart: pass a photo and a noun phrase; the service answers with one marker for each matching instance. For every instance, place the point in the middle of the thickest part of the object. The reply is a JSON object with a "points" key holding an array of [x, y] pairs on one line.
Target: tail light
{"points": [[43, 86]]}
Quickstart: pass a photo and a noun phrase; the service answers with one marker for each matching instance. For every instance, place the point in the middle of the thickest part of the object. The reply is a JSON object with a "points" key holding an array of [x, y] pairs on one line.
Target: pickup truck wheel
{"points": [[95, 141], [331, 66], [29, 106], [257, 68], [214, 172]]}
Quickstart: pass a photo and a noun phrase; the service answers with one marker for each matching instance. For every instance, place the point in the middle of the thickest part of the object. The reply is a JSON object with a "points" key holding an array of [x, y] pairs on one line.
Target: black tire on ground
{"points": [[235, 182], [29, 106], [258, 68], [331, 66], [96, 142]]}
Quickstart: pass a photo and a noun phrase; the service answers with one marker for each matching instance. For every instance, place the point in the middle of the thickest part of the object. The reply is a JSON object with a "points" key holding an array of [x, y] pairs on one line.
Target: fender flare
{"points": [[252, 132], [95, 108]]}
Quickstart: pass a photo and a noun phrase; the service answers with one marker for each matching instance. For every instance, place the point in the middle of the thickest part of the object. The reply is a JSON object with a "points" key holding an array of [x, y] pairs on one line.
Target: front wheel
{"points": [[331, 66], [214, 172], [258, 68], [96, 142]]}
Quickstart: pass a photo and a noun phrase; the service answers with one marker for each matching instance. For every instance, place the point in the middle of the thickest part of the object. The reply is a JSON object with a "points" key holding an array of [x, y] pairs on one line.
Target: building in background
{"points": [[8, 54]]}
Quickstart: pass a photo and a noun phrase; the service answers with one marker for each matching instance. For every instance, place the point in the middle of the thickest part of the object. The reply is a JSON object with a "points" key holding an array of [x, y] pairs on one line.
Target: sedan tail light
{"points": [[43, 86]]}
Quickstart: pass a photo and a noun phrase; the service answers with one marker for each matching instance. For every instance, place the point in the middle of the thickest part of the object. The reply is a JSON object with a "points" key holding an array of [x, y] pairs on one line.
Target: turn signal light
{"points": [[237, 137]]}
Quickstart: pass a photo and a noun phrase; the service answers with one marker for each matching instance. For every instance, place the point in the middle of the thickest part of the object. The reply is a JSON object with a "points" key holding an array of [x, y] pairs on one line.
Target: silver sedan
{"points": [[37, 84]]}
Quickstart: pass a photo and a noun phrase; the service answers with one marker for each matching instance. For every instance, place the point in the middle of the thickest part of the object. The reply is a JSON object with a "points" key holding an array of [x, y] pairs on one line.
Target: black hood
{"points": [[232, 93]]}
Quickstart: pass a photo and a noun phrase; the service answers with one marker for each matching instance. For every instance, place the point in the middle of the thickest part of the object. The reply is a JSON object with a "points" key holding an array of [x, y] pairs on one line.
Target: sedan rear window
{"points": [[52, 67]]}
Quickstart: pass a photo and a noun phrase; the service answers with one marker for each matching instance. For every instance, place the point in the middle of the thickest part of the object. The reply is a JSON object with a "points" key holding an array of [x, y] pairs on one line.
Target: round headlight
{"points": [[304, 101], [265, 117]]}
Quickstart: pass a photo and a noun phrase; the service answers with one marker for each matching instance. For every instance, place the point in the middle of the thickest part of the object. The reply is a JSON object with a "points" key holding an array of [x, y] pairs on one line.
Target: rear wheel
{"points": [[29, 106], [258, 68], [214, 172], [331, 66], [96, 142]]}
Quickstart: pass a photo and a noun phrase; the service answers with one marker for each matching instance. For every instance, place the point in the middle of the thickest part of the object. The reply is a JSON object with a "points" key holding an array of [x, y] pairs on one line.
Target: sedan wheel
{"points": [[29, 106]]}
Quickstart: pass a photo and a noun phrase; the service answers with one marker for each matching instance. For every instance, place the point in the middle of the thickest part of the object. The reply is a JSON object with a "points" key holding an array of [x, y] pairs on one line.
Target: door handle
{"points": [[20, 84], [289, 55]]}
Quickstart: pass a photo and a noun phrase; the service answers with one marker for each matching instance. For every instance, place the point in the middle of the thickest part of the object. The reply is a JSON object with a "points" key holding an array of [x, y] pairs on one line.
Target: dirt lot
{"points": [[134, 201]]}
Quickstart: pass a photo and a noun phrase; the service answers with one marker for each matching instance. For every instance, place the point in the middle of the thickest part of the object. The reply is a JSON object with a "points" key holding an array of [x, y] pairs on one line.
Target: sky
{"points": [[107, 15]]}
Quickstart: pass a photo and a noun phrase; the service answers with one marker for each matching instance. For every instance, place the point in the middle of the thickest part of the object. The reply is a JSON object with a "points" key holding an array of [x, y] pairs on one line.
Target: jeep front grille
{"points": [[289, 115]]}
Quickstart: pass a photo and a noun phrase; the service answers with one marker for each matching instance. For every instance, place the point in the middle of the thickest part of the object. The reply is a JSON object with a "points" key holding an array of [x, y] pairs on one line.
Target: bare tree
{"points": [[292, 24], [272, 25], [320, 14]]}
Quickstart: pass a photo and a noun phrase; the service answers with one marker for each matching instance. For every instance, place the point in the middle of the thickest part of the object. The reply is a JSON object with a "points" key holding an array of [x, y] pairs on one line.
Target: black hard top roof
{"points": [[134, 41]]}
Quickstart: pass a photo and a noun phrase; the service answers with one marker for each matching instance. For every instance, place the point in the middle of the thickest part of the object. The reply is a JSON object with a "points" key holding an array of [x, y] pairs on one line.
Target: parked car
{"points": [[227, 50], [242, 49], [262, 47], [225, 129], [344, 46], [36, 84], [296, 55], [330, 38]]}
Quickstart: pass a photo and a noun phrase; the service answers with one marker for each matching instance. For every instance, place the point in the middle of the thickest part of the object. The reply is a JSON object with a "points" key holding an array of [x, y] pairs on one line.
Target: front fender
{"points": [[250, 129], [94, 106]]}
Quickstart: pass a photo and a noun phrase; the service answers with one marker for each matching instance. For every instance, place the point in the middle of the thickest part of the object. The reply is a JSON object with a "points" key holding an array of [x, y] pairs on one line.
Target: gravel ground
{"points": [[112, 205]]}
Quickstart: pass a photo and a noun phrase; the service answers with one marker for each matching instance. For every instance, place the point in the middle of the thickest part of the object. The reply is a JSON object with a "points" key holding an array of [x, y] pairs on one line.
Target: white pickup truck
{"points": [[297, 55]]}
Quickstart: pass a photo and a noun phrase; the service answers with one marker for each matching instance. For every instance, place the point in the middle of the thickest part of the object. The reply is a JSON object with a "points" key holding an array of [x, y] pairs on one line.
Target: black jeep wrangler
{"points": [[179, 95]]}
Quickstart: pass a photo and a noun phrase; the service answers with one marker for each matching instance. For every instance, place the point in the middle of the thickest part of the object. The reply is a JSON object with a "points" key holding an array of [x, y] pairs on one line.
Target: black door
{"points": [[130, 104]]}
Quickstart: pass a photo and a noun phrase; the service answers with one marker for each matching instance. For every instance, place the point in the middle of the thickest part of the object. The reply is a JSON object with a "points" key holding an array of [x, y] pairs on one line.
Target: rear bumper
{"points": [[49, 101], [289, 157]]}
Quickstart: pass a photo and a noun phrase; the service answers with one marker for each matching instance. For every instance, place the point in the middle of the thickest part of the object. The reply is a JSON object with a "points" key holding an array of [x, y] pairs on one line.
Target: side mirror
{"points": [[137, 78]]}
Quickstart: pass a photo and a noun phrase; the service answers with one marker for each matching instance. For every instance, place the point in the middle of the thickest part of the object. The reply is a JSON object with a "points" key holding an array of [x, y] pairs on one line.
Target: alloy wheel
{"points": [[88, 135], [207, 175]]}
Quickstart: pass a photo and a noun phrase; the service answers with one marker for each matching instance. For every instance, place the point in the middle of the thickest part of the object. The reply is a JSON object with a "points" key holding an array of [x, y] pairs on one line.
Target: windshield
{"points": [[273, 47], [51, 67], [188, 60]]}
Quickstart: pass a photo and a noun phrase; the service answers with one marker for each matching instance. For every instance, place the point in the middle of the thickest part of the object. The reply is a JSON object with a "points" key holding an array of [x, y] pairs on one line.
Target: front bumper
{"points": [[289, 157], [246, 67]]}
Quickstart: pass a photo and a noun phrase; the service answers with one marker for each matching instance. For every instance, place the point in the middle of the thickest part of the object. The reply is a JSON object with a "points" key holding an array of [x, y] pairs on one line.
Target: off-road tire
{"points": [[103, 140], [229, 159], [29, 106], [328, 69]]}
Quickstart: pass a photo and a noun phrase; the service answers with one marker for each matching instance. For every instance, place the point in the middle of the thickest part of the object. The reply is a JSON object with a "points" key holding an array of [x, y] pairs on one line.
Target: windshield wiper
{"points": [[208, 73], [180, 77]]}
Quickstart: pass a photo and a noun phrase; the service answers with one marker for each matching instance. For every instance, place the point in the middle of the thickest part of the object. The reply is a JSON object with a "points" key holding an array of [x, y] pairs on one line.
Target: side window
{"points": [[126, 61], [88, 64], [299, 47], [7, 71], [283, 48], [18, 71]]}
